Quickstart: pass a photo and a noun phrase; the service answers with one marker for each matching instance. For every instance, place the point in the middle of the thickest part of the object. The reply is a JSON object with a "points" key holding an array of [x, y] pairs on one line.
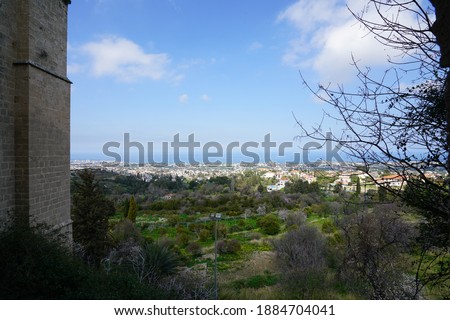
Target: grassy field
{"points": [[249, 273]]}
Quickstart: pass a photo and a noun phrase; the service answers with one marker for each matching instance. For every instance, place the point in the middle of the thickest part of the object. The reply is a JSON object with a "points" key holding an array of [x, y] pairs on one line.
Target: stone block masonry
{"points": [[34, 113]]}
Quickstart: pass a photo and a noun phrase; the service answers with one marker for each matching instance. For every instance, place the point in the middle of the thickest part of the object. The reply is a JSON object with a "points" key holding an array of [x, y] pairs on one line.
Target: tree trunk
{"points": [[441, 29]]}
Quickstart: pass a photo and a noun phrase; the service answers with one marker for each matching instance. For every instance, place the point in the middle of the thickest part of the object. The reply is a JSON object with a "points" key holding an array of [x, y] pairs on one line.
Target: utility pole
{"points": [[216, 217]]}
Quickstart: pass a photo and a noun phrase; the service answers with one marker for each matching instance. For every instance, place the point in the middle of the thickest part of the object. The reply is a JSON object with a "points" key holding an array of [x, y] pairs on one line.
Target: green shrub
{"points": [[183, 239], [269, 224], [321, 209], [181, 229], [162, 231], [173, 220], [204, 235], [159, 258], [235, 228], [126, 230], [195, 249], [328, 227], [254, 235], [223, 231], [256, 282]]}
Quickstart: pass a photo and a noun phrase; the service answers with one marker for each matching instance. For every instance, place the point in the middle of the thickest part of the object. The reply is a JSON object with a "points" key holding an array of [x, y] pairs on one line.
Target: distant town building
{"points": [[279, 186], [392, 181]]}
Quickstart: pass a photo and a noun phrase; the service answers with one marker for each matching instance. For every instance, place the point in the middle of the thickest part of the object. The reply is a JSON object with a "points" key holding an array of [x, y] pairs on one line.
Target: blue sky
{"points": [[223, 70]]}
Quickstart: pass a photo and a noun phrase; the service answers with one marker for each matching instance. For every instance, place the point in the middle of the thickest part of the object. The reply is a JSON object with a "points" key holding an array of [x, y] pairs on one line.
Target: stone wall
{"points": [[35, 148], [8, 36]]}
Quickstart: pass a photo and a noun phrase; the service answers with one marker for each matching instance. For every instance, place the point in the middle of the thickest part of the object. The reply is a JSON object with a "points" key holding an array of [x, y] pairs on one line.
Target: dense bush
{"points": [[126, 230], [322, 209], [131, 184], [375, 246], [204, 235], [228, 246], [302, 186], [301, 257], [37, 264], [172, 204], [328, 227], [269, 224], [195, 249], [182, 239], [295, 219]]}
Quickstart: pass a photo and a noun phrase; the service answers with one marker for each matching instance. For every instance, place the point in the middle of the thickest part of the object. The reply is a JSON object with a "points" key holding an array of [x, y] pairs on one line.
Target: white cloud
{"points": [[184, 98], [307, 15], [178, 77], [73, 68], [327, 37], [255, 46], [205, 97], [126, 60]]}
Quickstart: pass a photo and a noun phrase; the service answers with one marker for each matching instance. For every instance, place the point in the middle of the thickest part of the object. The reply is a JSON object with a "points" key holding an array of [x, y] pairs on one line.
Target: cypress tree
{"points": [[90, 213], [126, 207], [358, 186], [133, 210]]}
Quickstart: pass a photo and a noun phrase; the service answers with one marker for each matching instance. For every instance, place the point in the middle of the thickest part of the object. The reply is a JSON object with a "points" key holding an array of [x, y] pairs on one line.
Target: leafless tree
{"points": [[189, 285], [405, 129], [295, 219], [302, 261], [384, 122], [373, 246]]}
